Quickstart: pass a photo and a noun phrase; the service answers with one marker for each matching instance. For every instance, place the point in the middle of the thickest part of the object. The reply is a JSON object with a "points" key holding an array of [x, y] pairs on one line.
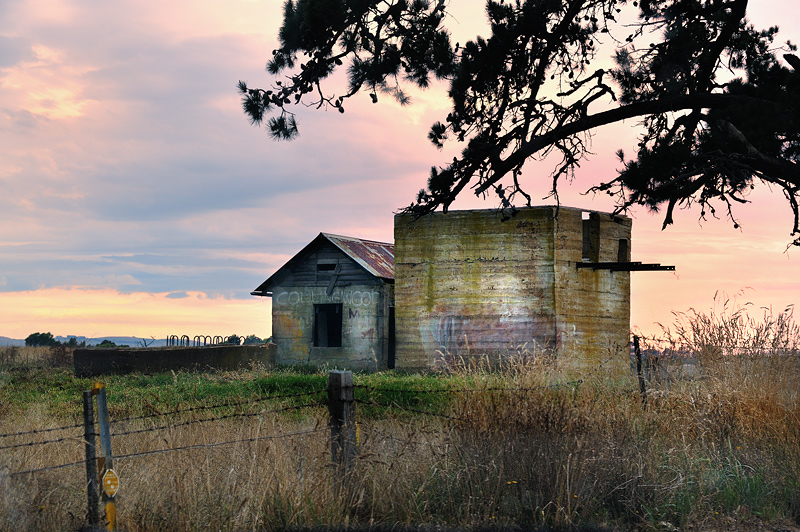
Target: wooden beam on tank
{"points": [[624, 266]]}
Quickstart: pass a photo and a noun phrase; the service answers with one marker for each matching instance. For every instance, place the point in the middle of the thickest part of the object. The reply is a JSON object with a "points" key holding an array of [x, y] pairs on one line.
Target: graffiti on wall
{"points": [[355, 298], [293, 323], [454, 333]]}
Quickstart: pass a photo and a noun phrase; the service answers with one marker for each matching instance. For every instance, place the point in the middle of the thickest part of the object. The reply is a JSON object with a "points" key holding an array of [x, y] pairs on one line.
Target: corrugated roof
{"points": [[375, 257]]}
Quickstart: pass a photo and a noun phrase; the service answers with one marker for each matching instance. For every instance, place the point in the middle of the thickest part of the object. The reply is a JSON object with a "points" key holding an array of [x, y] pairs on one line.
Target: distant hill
{"points": [[4, 340], [131, 341]]}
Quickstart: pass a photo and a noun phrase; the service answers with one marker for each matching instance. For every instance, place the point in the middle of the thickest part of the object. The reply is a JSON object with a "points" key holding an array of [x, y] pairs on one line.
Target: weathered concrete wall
{"points": [[592, 306], [365, 311], [100, 361], [469, 284]]}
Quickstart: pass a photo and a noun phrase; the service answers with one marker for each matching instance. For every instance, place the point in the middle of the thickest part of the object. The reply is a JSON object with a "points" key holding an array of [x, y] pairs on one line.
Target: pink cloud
{"points": [[122, 136]]}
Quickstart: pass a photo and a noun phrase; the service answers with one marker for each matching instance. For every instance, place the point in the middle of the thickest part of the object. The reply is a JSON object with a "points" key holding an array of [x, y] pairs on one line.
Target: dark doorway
{"points": [[328, 325]]}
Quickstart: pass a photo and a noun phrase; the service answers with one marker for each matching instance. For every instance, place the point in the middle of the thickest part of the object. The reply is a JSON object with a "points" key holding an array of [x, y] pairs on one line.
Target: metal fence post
{"points": [[92, 495], [343, 427], [108, 478], [642, 386]]}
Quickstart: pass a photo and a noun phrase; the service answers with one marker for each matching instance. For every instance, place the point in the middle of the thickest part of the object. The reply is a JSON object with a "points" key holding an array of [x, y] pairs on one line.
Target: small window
{"points": [[591, 237], [328, 325], [326, 269], [622, 251]]}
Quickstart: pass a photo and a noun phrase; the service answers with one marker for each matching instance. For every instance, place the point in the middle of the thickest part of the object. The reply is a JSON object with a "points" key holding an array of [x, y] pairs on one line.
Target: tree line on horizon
{"points": [[39, 339]]}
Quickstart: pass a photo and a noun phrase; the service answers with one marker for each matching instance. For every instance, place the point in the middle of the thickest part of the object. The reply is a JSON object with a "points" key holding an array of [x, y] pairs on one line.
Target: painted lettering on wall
{"points": [[353, 313], [355, 298], [288, 298]]}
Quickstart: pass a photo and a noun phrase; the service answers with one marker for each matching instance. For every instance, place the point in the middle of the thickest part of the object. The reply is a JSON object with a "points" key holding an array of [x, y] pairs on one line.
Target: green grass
{"points": [[386, 394]]}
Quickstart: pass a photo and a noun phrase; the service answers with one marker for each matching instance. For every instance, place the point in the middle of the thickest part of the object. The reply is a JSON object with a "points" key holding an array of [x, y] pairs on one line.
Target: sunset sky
{"points": [[137, 200]]}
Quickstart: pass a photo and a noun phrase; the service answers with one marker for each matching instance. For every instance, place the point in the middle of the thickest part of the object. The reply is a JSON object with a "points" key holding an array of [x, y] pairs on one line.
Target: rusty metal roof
{"points": [[375, 257]]}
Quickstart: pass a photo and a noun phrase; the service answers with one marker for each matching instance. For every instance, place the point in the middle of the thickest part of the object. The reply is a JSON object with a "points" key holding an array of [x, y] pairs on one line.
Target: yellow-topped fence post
{"points": [[109, 481]]}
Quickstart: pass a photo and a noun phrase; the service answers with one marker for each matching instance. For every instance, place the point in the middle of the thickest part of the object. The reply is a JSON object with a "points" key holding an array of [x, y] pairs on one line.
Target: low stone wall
{"points": [[100, 361]]}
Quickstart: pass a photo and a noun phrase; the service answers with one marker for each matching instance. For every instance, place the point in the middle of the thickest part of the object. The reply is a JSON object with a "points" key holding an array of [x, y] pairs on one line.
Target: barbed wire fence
{"points": [[121, 425], [340, 399], [99, 460]]}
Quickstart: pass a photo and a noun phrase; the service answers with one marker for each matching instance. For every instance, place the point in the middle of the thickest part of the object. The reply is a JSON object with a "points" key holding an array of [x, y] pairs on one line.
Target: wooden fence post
{"points": [[343, 427], [93, 497], [108, 478], [642, 386]]}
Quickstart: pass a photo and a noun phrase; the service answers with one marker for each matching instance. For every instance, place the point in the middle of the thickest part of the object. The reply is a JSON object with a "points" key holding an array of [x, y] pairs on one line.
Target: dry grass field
{"points": [[479, 448]]}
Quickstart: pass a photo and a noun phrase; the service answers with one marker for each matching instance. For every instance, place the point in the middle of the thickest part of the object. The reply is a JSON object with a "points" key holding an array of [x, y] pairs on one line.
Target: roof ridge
{"points": [[334, 235]]}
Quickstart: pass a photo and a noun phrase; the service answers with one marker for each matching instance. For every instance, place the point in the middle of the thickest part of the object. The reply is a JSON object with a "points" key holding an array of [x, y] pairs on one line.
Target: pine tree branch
{"points": [[619, 114]]}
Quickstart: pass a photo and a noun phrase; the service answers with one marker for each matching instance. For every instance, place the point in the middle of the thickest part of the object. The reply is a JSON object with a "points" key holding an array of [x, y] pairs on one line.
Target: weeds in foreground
{"points": [[477, 447]]}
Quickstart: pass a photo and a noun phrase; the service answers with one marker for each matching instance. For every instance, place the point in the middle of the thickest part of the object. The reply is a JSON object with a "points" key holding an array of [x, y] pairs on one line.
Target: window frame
{"points": [[328, 325]]}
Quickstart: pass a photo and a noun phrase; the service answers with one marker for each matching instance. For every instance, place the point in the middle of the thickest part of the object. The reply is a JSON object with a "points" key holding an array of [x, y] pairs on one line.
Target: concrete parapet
{"points": [[101, 361]]}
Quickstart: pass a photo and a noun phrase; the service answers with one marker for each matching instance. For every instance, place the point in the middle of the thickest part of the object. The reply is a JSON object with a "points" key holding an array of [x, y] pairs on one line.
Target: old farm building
{"points": [[464, 284], [333, 303]]}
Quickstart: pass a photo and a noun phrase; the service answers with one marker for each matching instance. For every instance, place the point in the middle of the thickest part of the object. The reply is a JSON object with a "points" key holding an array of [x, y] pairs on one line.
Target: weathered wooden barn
{"points": [[333, 303], [554, 280]]}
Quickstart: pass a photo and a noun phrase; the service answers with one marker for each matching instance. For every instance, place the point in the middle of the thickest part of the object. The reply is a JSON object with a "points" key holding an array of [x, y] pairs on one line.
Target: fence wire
{"points": [[688, 347], [220, 444], [42, 469], [172, 449], [40, 431], [80, 438], [407, 409], [171, 425], [409, 441], [479, 390], [214, 406], [44, 442], [217, 418]]}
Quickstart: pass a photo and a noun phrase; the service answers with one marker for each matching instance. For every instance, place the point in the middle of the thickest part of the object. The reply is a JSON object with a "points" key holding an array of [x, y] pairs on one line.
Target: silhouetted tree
{"points": [[72, 343], [252, 339], [718, 108], [41, 339], [109, 344], [233, 339]]}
